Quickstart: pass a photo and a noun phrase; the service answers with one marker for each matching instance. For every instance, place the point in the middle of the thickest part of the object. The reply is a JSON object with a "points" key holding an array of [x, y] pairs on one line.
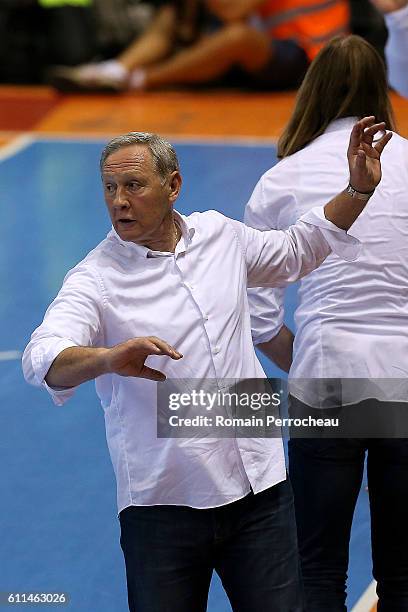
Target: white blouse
{"points": [[352, 317]]}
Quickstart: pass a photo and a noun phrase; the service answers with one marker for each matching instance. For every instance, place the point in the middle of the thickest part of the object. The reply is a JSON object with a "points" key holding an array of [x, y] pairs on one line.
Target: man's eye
{"points": [[133, 185], [109, 188]]}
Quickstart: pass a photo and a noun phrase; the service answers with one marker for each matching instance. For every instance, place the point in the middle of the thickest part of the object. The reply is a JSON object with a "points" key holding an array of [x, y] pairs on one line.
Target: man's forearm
{"points": [[279, 349], [76, 365], [343, 210]]}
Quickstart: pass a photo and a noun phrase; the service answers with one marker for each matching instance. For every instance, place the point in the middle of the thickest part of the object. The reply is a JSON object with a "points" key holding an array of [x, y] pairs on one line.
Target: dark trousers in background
{"points": [[326, 477], [171, 551]]}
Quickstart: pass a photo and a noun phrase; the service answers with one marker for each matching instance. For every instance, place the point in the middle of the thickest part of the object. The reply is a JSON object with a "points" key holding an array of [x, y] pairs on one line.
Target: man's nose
{"points": [[121, 200]]}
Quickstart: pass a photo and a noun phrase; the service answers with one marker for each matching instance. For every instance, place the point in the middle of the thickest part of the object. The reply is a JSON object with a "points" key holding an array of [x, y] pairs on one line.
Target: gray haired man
{"points": [[188, 506]]}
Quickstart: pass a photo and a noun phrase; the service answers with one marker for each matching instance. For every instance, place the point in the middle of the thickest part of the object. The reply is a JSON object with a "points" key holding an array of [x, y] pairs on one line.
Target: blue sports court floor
{"points": [[58, 523]]}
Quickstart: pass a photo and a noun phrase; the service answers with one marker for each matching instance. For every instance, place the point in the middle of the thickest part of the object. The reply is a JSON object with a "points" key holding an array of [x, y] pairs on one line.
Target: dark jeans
{"points": [[171, 551], [326, 477]]}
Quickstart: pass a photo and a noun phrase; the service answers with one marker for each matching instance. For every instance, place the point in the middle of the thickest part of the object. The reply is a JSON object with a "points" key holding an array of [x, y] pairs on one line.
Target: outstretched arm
{"points": [[78, 364], [68, 348], [278, 258]]}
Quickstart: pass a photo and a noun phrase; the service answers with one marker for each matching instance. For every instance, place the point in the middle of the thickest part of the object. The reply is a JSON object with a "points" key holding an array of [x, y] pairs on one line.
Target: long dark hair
{"points": [[346, 79]]}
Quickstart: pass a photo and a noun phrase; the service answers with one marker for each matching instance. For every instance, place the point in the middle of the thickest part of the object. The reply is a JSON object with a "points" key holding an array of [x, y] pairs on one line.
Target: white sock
{"points": [[111, 69], [137, 79], [114, 70]]}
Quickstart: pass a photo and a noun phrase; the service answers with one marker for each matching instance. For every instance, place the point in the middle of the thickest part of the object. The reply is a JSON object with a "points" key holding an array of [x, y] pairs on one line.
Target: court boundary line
{"points": [[205, 140], [16, 145], [10, 355], [368, 600]]}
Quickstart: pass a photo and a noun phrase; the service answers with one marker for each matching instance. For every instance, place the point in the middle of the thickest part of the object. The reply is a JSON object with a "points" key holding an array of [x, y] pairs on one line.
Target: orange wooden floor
{"points": [[220, 115]]}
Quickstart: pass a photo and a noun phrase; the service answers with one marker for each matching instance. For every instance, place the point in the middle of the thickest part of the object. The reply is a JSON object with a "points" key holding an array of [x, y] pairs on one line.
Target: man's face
{"points": [[139, 200]]}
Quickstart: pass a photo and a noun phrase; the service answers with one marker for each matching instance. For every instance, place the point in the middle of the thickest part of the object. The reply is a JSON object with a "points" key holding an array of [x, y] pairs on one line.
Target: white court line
{"points": [[368, 599], [216, 140], [10, 355], [12, 148], [207, 140], [15, 146]]}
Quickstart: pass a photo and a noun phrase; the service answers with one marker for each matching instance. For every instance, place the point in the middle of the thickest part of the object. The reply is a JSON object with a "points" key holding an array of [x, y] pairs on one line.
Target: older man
{"points": [[188, 506]]}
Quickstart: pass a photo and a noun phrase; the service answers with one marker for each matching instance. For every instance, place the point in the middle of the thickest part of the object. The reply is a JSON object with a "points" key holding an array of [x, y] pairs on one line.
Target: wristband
{"points": [[359, 195]]}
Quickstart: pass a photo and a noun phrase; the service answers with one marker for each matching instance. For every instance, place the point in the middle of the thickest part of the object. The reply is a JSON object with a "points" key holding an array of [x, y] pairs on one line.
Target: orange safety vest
{"points": [[311, 23]]}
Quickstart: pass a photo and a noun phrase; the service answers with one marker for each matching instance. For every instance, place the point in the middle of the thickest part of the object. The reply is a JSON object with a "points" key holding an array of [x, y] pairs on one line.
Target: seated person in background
{"points": [[396, 50], [271, 42]]}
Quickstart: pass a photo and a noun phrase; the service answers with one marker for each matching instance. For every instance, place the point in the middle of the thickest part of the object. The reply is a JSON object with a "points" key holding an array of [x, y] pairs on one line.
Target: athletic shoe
{"points": [[103, 76]]}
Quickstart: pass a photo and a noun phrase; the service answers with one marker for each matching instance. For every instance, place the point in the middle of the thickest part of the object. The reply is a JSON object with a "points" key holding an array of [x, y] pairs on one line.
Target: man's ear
{"points": [[175, 182]]}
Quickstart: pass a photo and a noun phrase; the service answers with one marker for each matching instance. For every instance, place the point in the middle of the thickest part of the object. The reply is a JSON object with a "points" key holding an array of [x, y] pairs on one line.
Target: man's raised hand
{"points": [[364, 154]]}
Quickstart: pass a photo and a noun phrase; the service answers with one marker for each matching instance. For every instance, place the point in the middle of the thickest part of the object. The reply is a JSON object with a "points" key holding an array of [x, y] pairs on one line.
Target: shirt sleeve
{"points": [[73, 319], [276, 258], [396, 50], [266, 305], [267, 313]]}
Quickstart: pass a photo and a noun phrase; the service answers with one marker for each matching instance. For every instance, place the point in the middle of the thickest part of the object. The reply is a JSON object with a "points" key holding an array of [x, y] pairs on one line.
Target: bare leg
{"points": [[235, 44], [152, 47], [154, 44]]}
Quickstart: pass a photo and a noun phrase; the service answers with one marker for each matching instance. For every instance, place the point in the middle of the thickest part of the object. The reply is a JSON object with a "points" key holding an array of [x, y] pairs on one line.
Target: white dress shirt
{"points": [[195, 299], [396, 50], [352, 317]]}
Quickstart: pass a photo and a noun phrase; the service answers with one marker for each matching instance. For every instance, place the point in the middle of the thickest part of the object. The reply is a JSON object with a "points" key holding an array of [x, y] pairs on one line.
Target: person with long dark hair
{"points": [[351, 345]]}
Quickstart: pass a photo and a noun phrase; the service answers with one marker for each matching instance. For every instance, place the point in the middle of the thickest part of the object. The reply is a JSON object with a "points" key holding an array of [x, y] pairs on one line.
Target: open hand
{"points": [[364, 155], [128, 358]]}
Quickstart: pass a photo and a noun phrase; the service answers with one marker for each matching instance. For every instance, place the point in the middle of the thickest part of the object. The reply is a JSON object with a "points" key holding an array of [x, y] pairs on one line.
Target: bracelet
{"points": [[358, 194]]}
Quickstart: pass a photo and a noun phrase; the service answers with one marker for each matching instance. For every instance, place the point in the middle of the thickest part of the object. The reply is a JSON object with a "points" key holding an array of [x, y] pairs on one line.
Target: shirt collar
{"points": [[130, 248], [341, 124]]}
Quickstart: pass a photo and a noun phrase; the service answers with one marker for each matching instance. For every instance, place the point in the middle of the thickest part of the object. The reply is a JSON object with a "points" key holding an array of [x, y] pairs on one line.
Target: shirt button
{"points": [[216, 350], [188, 286], [205, 317]]}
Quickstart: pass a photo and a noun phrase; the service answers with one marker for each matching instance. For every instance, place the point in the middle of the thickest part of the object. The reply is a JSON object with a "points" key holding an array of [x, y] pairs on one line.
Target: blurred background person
{"points": [[396, 50], [267, 44], [352, 323]]}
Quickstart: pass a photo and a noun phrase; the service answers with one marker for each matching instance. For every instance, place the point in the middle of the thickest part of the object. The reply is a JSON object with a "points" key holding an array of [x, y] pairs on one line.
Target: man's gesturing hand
{"points": [[364, 155], [128, 358]]}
